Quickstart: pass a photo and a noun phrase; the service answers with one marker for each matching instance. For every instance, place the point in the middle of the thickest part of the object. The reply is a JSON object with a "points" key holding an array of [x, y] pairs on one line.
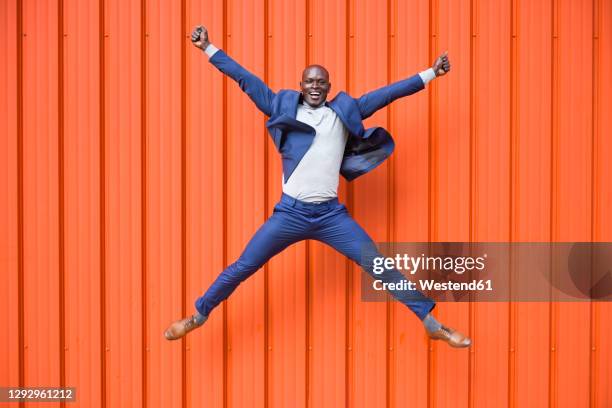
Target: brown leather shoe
{"points": [[451, 336], [181, 327]]}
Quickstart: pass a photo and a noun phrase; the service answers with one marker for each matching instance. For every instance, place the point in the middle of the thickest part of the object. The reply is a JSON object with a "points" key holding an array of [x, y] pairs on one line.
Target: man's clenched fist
{"points": [[199, 37], [442, 65]]}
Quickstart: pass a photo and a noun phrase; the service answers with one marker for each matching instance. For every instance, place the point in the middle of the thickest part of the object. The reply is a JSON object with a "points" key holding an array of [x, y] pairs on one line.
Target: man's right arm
{"points": [[254, 87]]}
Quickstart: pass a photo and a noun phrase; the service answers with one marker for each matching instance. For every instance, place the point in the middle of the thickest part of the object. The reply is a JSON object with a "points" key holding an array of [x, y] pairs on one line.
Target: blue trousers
{"points": [[293, 221]]}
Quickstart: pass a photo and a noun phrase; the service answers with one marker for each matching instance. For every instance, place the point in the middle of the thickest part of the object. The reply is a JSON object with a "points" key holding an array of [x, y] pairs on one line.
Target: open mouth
{"points": [[315, 95]]}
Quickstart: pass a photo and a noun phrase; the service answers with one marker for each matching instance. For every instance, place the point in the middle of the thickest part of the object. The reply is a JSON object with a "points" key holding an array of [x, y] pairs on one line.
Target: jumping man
{"points": [[318, 140]]}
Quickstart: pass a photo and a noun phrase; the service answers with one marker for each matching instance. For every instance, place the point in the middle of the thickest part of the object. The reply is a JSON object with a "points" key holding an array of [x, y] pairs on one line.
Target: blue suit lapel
{"points": [[292, 139], [347, 110]]}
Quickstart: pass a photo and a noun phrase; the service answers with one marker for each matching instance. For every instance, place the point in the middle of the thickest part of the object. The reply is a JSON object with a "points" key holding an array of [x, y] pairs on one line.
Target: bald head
{"points": [[315, 67], [315, 85]]}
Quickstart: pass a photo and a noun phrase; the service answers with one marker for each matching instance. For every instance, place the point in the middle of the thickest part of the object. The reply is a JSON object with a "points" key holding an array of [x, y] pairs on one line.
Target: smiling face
{"points": [[315, 85]]}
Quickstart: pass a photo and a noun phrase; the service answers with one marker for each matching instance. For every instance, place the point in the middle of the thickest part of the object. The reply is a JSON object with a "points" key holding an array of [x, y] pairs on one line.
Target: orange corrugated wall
{"points": [[131, 172]]}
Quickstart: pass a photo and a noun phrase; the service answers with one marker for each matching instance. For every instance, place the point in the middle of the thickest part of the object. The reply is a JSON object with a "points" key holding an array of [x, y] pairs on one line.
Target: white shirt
{"points": [[317, 174]]}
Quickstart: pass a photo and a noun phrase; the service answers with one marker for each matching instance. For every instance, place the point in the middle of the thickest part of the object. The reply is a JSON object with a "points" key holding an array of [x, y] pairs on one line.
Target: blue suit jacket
{"points": [[365, 149]]}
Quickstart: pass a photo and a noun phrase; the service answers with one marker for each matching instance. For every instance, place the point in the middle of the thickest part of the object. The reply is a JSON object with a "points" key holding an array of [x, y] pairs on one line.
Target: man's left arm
{"points": [[379, 98]]}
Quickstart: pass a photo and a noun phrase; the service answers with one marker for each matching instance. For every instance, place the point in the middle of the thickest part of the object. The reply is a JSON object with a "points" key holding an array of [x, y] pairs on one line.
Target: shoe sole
{"points": [[453, 345]]}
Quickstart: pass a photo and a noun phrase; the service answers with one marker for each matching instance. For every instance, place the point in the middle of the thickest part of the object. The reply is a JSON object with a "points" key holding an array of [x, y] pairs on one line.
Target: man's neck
{"points": [[311, 106]]}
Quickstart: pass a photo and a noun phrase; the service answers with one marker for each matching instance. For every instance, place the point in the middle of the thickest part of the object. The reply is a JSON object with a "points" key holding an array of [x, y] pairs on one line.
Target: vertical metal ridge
{"points": [[20, 210], [183, 44], [307, 34], [143, 196], [513, 189], [348, 360], [61, 203], [472, 120], [433, 43], [308, 264], [431, 191], [224, 206], [266, 266], [473, 146], [594, 306], [389, 329], [552, 374], [102, 190], [308, 312]]}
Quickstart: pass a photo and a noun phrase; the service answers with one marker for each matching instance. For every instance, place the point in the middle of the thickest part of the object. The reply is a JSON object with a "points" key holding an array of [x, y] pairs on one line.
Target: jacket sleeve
{"points": [[379, 98], [254, 87]]}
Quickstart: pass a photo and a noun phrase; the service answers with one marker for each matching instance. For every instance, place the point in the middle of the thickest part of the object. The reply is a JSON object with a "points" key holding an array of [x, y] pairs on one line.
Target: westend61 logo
{"points": [[414, 264]]}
